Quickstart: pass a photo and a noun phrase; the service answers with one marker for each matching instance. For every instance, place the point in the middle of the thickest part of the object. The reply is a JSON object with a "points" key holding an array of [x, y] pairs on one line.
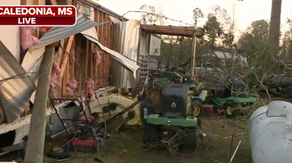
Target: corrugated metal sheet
{"points": [[126, 42], [33, 57], [14, 93]]}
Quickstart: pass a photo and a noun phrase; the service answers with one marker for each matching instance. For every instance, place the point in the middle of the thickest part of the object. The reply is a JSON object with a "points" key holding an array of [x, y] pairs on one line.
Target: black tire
{"points": [[189, 143], [200, 105], [236, 112], [151, 134], [59, 153]]}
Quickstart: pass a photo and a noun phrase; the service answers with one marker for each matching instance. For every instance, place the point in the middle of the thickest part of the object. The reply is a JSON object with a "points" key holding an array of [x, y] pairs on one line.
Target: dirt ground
{"points": [[126, 146]]}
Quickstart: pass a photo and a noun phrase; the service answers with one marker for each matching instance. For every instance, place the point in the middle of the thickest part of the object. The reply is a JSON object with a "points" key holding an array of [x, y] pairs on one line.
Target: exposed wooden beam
{"points": [[65, 65]]}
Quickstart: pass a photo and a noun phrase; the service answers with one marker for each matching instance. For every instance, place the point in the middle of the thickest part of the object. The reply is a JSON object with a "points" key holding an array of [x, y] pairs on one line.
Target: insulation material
{"points": [[72, 57], [71, 86], [97, 57], [27, 40], [56, 80], [90, 87], [56, 75]]}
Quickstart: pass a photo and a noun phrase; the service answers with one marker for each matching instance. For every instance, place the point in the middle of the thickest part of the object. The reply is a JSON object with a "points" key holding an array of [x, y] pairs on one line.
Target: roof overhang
{"points": [[187, 31]]}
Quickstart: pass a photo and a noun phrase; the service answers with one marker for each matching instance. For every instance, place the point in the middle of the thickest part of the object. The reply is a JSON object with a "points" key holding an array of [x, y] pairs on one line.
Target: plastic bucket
{"points": [[209, 109]]}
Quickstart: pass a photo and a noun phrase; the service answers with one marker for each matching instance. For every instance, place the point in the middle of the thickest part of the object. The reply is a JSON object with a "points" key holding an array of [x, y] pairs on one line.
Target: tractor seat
{"points": [[199, 89]]}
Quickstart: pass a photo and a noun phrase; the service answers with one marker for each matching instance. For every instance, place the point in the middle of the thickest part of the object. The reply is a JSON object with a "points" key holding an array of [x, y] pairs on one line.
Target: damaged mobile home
{"points": [[76, 72]]}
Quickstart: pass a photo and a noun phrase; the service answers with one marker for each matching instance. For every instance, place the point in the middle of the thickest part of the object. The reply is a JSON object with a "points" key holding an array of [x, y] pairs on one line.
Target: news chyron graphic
{"points": [[38, 15]]}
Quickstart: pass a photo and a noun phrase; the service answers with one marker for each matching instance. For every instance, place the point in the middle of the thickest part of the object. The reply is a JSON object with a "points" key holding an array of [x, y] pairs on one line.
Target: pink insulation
{"points": [[97, 57], [72, 57], [71, 86], [56, 80], [27, 40], [109, 20], [90, 87]]}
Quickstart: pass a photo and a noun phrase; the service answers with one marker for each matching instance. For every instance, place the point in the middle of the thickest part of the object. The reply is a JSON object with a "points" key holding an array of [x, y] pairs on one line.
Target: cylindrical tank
{"points": [[270, 130]]}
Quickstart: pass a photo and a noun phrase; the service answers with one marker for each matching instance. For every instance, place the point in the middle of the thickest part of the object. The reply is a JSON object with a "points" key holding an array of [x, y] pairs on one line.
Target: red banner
{"points": [[38, 15]]}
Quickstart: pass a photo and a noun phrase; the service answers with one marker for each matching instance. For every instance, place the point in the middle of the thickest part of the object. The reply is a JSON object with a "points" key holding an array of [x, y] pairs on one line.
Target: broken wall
{"points": [[10, 35]]}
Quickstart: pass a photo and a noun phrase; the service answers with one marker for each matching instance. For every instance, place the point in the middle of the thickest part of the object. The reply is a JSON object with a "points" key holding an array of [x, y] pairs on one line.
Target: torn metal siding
{"points": [[33, 57], [124, 61], [14, 93], [126, 42]]}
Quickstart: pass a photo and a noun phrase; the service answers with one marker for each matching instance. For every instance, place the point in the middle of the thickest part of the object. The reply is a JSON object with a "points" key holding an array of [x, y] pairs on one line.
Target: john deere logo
{"points": [[173, 105]]}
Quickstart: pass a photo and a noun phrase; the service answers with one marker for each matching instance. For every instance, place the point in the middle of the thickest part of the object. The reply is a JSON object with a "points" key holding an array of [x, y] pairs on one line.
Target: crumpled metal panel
{"points": [[126, 42], [124, 61], [14, 93], [33, 57], [270, 129]]}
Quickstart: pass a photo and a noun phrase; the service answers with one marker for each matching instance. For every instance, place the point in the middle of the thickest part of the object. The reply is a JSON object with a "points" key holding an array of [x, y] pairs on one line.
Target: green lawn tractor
{"points": [[197, 93], [231, 99], [175, 125]]}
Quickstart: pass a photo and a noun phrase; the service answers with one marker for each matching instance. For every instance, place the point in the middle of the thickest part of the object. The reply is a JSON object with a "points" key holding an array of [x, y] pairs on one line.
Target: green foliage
{"points": [[252, 48], [254, 45]]}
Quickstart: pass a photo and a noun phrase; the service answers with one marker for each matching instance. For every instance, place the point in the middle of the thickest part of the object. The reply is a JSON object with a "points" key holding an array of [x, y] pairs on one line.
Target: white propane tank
{"points": [[270, 131]]}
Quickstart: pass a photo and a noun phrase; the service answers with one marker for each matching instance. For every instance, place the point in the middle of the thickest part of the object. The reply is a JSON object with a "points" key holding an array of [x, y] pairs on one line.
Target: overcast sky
{"points": [[245, 12]]}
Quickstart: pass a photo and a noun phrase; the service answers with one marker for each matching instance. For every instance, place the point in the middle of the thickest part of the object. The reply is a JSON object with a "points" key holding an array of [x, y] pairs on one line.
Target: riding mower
{"points": [[231, 99], [173, 125], [197, 93]]}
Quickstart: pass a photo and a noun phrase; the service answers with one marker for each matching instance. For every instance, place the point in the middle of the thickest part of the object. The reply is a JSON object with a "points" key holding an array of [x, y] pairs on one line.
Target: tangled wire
{"points": [[174, 141]]}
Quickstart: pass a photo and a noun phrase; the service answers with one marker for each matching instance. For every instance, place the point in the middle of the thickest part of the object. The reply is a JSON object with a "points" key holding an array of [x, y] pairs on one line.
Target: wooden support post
{"points": [[193, 73], [36, 137], [65, 63]]}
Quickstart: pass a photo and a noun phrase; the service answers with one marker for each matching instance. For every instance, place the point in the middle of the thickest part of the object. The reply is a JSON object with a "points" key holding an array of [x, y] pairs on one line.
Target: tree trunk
{"points": [[275, 22]]}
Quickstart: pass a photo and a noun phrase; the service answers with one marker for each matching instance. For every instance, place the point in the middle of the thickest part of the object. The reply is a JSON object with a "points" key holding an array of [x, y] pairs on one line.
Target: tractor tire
{"points": [[150, 135], [59, 153], [198, 108], [232, 111], [189, 143]]}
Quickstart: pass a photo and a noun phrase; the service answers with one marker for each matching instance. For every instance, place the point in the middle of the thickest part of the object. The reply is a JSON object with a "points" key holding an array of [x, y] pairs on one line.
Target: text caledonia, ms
{"points": [[41, 11]]}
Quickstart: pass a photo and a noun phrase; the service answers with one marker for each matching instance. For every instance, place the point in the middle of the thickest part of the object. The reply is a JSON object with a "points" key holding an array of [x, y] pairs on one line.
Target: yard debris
{"points": [[234, 135]]}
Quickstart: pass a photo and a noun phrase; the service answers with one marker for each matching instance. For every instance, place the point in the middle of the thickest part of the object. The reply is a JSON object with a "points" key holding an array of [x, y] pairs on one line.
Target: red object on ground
{"points": [[209, 109], [83, 120], [83, 142]]}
